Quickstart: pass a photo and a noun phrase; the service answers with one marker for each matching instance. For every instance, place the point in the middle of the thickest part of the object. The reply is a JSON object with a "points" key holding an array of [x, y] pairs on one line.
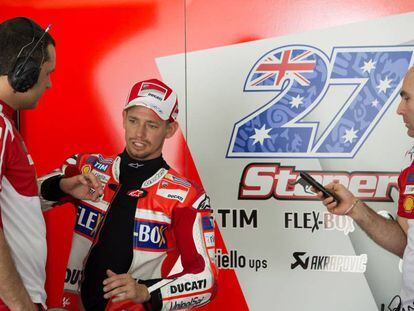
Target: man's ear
{"points": [[124, 115], [171, 129]]}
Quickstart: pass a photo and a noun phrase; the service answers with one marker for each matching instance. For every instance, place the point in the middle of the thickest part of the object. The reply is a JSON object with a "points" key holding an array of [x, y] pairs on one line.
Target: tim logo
{"points": [[93, 158], [149, 235], [101, 166], [301, 120]]}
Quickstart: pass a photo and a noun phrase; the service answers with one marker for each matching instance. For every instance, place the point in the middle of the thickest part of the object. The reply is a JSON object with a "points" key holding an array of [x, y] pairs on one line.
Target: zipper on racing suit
{"points": [[116, 190]]}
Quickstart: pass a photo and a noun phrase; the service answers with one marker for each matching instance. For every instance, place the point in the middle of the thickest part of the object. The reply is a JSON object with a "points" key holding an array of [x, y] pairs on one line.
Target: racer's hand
{"points": [[347, 199], [122, 287], [84, 186]]}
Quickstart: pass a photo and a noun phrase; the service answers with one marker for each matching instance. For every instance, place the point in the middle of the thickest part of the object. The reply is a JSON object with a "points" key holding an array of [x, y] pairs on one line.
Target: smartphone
{"points": [[312, 182]]}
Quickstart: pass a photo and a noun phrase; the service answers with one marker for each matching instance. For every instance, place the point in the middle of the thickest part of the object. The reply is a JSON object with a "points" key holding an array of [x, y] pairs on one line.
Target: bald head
{"points": [[406, 106]]}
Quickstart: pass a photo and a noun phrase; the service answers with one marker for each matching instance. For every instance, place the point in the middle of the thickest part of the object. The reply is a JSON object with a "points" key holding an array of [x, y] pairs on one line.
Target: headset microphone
{"points": [[25, 71]]}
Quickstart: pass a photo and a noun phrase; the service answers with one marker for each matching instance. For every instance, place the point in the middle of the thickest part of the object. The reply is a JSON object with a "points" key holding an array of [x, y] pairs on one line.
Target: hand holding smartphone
{"points": [[312, 182]]}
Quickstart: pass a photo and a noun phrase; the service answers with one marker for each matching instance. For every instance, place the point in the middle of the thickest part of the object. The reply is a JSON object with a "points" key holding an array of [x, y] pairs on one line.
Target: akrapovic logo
{"points": [[262, 181], [330, 263]]}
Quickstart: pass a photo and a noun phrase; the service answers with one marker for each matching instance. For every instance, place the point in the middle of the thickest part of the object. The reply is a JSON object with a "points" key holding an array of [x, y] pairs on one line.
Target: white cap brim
{"points": [[148, 103]]}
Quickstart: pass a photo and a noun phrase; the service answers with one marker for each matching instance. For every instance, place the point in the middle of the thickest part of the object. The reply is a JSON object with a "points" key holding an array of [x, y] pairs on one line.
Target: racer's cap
{"points": [[156, 96]]}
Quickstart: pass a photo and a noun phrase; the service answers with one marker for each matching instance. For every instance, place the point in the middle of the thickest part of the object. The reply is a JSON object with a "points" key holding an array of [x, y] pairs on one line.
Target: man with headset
{"points": [[27, 58]]}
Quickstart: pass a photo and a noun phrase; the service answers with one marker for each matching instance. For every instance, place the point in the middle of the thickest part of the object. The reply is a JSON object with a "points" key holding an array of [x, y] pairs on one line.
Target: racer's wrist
{"points": [[63, 184], [51, 189], [143, 293]]}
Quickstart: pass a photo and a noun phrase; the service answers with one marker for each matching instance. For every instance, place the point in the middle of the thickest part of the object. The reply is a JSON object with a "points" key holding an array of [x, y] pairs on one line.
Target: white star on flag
{"points": [[260, 135], [350, 135], [384, 85], [375, 103], [296, 101], [368, 66]]}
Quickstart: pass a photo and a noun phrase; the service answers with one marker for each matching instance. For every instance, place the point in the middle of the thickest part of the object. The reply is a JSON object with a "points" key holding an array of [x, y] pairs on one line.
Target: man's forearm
{"points": [[12, 291], [385, 232]]}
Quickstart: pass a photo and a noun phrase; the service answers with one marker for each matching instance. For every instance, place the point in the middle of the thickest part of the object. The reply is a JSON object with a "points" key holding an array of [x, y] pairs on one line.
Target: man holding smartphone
{"points": [[396, 236]]}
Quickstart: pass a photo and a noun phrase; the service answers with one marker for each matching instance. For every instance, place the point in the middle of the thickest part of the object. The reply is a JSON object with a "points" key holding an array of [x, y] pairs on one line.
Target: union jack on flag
{"points": [[273, 69]]}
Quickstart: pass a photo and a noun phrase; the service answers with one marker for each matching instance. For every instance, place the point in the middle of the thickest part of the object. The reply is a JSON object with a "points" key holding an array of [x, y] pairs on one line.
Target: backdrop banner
{"points": [[324, 102]]}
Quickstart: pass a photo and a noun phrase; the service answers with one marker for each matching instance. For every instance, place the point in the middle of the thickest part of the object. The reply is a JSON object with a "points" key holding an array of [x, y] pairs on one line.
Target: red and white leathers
{"points": [[173, 234], [20, 213], [406, 210]]}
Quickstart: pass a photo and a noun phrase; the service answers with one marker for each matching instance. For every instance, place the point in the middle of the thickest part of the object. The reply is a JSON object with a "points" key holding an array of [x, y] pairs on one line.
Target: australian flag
{"points": [[278, 66]]}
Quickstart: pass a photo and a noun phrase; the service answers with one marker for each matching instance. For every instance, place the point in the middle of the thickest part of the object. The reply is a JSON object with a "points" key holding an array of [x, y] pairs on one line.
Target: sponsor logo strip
{"points": [[262, 181], [100, 166], [189, 302], [87, 221], [187, 295], [150, 235], [178, 180], [234, 260], [409, 189], [102, 177], [330, 263], [208, 223], [105, 160], [315, 221], [209, 239], [188, 286], [408, 204], [86, 169], [155, 178], [173, 194]]}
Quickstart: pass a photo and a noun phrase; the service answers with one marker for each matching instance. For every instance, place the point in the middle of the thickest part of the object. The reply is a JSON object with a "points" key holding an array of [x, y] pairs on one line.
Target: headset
{"points": [[24, 72]]}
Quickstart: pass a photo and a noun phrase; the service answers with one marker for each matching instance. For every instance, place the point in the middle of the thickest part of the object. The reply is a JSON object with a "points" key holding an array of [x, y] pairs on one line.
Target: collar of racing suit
{"points": [[131, 169]]}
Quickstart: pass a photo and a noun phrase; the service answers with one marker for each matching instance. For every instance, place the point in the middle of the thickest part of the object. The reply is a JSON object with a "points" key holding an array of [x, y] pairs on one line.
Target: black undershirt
{"points": [[114, 249]]}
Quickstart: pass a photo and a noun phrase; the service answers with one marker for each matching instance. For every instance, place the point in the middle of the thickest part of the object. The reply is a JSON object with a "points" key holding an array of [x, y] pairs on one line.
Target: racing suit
{"points": [[21, 216], [406, 210], [171, 233]]}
